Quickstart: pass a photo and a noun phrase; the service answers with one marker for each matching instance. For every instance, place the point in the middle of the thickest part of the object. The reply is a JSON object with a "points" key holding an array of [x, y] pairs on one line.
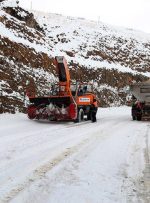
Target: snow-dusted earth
{"points": [[101, 162]]}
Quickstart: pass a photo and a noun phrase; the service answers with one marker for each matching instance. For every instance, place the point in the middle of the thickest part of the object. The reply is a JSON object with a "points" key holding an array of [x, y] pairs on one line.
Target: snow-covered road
{"points": [[103, 162]]}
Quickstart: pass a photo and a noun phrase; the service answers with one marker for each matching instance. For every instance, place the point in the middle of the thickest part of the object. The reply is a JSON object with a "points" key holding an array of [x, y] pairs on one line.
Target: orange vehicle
{"points": [[66, 101]]}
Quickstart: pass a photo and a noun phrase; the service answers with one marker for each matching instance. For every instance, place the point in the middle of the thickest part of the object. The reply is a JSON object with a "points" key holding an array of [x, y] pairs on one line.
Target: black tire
{"points": [[89, 115], [80, 116], [139, 118], [134, 118], [93, 116]]}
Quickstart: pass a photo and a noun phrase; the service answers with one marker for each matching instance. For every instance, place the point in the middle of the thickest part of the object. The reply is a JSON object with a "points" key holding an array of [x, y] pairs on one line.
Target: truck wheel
{"points": [[31, 112], [80, 116], [134, 118], [139, 118], [89, 115], [93, 117]]}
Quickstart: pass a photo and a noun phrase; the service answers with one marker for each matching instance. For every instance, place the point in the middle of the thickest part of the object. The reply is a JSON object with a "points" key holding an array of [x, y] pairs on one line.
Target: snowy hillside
{"points": [[88, 41], [43, 162], [109, 57]]}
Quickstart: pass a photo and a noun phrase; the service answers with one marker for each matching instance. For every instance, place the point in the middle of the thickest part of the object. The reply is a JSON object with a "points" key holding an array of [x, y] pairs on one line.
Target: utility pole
{"points": [[17, 2], [31, 6], [98, 20]]}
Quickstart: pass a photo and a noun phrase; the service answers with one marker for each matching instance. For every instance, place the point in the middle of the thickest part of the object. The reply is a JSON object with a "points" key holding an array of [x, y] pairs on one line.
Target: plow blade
{"points": [[52, 108]]}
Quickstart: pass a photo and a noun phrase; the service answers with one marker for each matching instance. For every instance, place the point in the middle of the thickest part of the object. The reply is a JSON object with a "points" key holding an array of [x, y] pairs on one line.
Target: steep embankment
{"points": [[107, 56], [21, 58]]}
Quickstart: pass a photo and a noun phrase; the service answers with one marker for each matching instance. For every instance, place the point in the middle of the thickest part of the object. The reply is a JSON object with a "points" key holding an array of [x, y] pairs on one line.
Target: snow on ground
{"points": [[84, 33], [107, 161]]}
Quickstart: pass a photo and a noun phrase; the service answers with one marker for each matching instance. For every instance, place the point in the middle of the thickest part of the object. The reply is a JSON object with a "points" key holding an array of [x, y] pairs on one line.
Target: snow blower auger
{"points": [[66, 101]]}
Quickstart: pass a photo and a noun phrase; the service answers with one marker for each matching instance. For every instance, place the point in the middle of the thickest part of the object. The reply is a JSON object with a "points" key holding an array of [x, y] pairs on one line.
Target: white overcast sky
{"points": [[127, 13]]}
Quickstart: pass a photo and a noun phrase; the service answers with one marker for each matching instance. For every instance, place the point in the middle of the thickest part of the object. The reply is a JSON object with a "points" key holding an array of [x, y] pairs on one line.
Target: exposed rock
{"points": [[26, 63], [69, 53], [18, 65], [23, 15]]}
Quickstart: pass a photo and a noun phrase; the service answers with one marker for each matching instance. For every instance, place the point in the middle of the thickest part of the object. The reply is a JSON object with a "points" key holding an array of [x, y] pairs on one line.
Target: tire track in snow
{"points": [[51, 164], [40, 172], [33, 136], [74, 162], [146, 178], [138, 187]]}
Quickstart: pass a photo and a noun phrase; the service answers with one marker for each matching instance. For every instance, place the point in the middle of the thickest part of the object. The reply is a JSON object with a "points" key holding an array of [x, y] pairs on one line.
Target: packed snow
{"points": [[106, 161]]}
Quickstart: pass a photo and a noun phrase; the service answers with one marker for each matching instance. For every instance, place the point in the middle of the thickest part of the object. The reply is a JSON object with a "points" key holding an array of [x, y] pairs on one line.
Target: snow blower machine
{"points": [[66, 101]]}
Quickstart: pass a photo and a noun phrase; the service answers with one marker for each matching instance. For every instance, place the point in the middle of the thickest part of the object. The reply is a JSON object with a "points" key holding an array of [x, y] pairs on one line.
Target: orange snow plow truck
{"points": [[66, 101]]}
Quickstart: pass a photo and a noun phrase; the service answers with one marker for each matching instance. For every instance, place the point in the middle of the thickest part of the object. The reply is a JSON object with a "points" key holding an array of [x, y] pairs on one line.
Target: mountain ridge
{"points": [[109, 57]]}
